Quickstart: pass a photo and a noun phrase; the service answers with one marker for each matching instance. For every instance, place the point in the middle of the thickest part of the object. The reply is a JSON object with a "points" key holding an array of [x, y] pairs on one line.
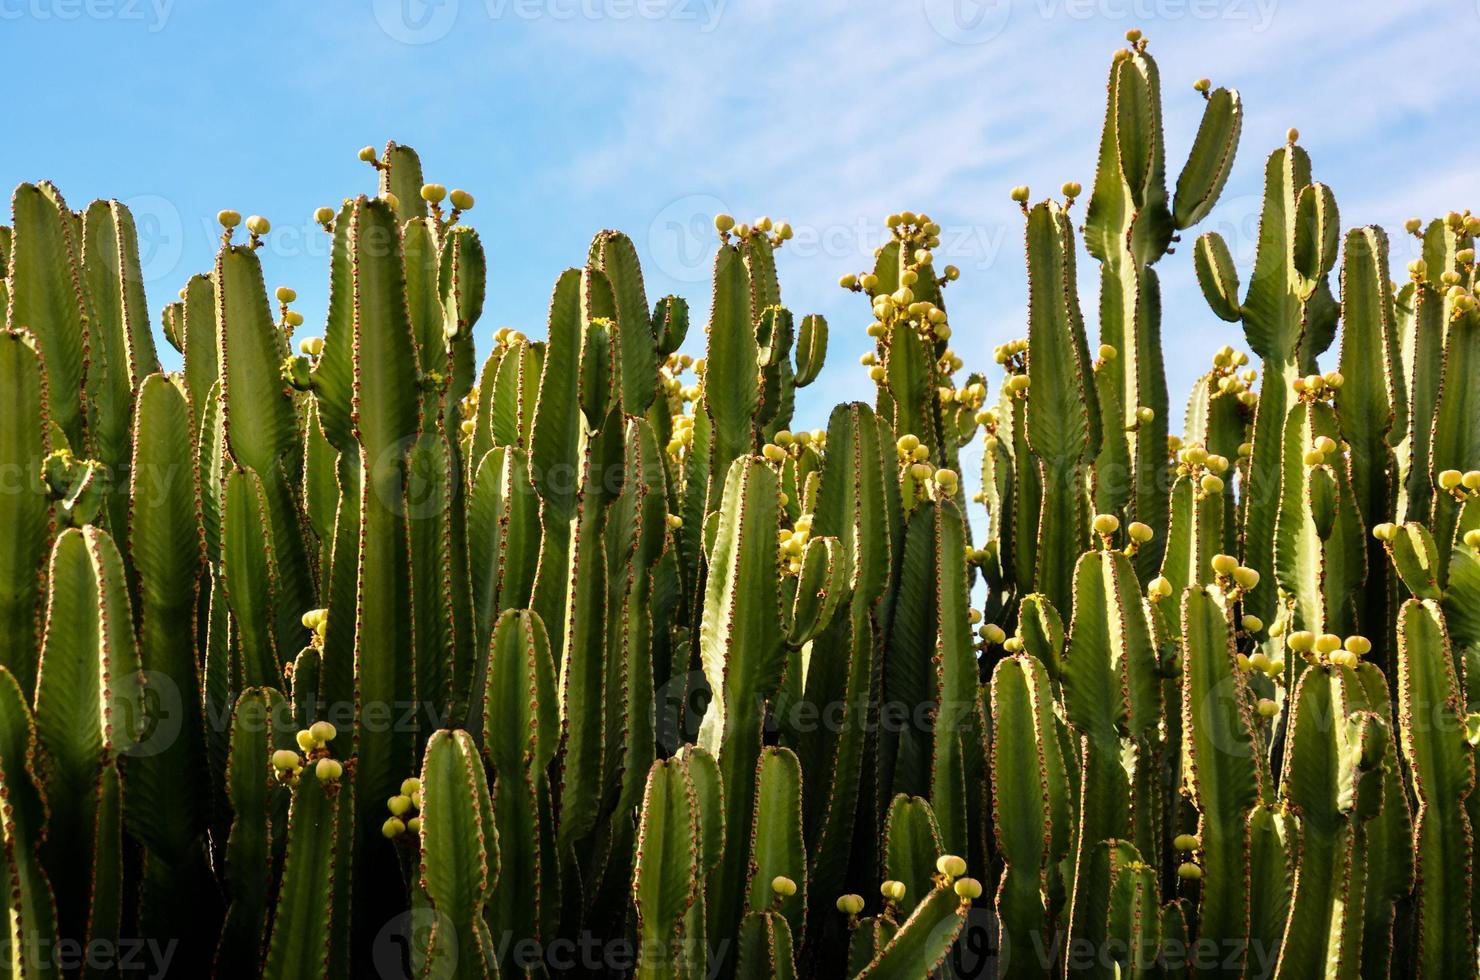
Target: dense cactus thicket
{"points": [[359, 656]]}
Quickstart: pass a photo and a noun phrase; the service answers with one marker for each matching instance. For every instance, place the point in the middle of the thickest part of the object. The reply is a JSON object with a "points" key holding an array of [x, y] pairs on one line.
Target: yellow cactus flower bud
{"points": [[1106, 524], [950, 866], [328, 770], [461, 200], [783, 886], [993, 634], [1385, 532], [1211, 483], [1186, 842], [323, 216], [391, 199], [1325, 445], [1159, 587], [411, 787], [1252, 624], [1013, 644], [393, 828], [1145, 414], [1268, 708], [1259, 661], [1471, 480], [1020, 194], [892, 890], [285, 294], [306, 740], [850, 281], [1472, 538], [1449, 479], [1359, 645], [1313, 457], [1225, 564], [1189, 871], [258, 225], [968, 889], [433, 193], [952, 273], [1412, 225], [229, 219], [1292, 134], [784, 232], [414, 825], [1202, 84], [324, 731], [1071, 189], [1243, 663], [1302, 641], [1108, 352], [1140, 533], [1327, 643], [398, 805], [1245, 577], [285, 760], [850, 904], [920, 471]]}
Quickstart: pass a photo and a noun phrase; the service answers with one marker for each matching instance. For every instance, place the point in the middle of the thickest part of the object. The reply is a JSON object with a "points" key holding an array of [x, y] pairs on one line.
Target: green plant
{"points": [[587, 648]]}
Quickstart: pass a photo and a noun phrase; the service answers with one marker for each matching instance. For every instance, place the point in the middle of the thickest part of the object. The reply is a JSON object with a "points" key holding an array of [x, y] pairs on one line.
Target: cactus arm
{"points": [[555, 444], [511, 404], [776, 836], [911, 845], [637, 364], [1210, 160], [765, 948], [742, 657], [333, 371], [462, 276], [1456, 425], [261, 425], [1217, 276], [304, 924], [811, 349], [730, 397], [1030, 804], [1369, 403], [30, 911], [520, 691], [45, 297], [422, 261], [87, 707], [923, 940], [25, 512], [1223, 774], [1442, 767], [251, 580], [504, 539], [167, 807], [459, 856], [199, 344], [400, 174], [1062, 415], [667, 868]]}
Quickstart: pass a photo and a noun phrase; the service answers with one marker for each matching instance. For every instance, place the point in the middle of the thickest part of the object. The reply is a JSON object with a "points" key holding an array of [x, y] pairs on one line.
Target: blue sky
{"points": [[567, 116]]}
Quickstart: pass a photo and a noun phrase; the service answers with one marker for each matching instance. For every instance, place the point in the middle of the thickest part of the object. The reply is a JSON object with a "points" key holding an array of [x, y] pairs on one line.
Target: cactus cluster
{"points": [[351, 656]]}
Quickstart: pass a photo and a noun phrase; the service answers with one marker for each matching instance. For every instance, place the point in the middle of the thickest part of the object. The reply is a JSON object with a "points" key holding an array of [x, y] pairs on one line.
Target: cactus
{"points": [[590, 643]]}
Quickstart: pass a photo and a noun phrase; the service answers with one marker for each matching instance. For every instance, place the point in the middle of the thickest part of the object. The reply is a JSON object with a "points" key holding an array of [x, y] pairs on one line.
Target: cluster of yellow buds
{"points": [[1208, 468], [508, 337], [1012, 355], [971, 397], [683, 435], [670, 372], [401, 806], [288, 765], [1460, 485], [791, 543], [913, 455], [789, 444], [1233, 378], [1320, 448], [288, 319], [777, 231], [1262, 662], [1105, 525], [316, 620], [1187, 844], [992, 634], [1234, 578], [1330, 648], [312, 346], [1318, 387]]}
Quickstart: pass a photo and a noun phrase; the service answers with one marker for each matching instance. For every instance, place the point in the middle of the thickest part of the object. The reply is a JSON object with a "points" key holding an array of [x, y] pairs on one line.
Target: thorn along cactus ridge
{"points": [[362, 653]]}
